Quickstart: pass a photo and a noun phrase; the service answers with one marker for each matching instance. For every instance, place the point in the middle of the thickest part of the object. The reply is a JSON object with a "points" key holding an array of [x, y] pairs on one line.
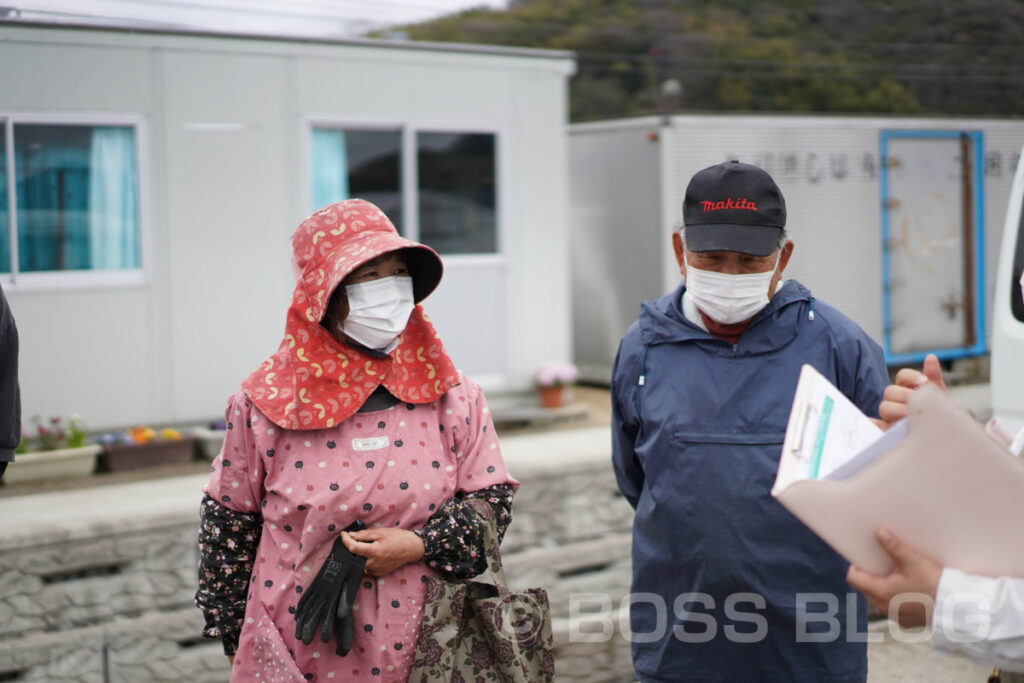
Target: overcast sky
{"points": [[317, 17]]}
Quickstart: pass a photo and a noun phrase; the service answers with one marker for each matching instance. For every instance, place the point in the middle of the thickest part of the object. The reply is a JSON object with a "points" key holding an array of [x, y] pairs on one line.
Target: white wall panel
{"points": [[229, 127], [617, 237]]}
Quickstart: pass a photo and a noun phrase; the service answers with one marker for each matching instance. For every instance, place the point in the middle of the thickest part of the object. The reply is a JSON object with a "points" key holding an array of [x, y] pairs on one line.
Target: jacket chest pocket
{"points": [[732, 438], [740, 460]]}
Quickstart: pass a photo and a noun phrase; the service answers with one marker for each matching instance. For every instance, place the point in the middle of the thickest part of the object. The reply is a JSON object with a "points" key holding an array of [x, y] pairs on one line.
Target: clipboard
{"points": [[939, 482], [825, 431]]}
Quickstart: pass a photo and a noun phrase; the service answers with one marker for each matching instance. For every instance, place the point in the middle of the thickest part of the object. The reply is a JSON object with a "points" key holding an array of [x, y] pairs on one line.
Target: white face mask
{"points": [[378, 311], [726, 298]]}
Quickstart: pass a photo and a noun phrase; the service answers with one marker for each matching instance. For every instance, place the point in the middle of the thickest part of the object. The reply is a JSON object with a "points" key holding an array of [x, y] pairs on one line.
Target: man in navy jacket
{"points": [[727, 585]]}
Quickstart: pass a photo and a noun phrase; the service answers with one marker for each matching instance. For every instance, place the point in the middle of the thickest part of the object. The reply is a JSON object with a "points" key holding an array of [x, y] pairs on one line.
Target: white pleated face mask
{"points": [[378, 311], [727, 298]]}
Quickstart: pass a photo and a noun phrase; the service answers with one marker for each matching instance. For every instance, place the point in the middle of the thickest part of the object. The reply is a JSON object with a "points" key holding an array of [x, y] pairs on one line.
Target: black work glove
{"points": [[327, 601]]}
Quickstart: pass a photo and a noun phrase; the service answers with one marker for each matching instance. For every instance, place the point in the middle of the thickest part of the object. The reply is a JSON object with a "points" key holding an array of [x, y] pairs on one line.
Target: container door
{"points": [[932, 231]]}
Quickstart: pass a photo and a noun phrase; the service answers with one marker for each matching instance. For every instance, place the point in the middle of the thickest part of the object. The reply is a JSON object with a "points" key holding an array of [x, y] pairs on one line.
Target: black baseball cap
{"points": [[733, 206]]}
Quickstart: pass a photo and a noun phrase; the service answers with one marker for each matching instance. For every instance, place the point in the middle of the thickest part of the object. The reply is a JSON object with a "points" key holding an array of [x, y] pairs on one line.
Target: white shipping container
{"points": [[896, 221]]}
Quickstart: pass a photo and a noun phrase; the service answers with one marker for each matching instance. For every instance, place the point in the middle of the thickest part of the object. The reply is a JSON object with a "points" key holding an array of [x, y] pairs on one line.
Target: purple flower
{"points": [[504, 651], [433, 589], [481, 655], [459, 606], [432, 653], [547, 664], [490, 617]]}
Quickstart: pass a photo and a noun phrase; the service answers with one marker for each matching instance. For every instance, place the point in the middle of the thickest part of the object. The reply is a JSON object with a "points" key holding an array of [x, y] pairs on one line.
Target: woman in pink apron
{"points": [[360, 415]]}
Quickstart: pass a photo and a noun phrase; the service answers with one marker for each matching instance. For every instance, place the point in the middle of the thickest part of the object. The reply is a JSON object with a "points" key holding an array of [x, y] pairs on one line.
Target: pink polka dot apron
{"points": [[389, 468]]}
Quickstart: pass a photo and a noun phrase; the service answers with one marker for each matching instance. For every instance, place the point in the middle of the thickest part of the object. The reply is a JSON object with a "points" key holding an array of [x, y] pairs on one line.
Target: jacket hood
{"points": [[315, 381], [662, 321]]}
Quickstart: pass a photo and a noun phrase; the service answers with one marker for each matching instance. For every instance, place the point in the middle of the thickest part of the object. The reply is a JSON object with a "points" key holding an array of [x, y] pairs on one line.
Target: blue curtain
{"points": [[53, 196], [113, 199], [330, 167], [77, 193]]}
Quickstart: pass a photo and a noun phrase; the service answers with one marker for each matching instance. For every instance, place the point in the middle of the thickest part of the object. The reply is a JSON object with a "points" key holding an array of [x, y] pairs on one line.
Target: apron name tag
{"points": [[373, 443]]}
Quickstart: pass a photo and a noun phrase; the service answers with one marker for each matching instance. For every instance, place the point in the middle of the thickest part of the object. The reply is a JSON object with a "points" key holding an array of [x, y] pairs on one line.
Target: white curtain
{"points": [[113, 199]]}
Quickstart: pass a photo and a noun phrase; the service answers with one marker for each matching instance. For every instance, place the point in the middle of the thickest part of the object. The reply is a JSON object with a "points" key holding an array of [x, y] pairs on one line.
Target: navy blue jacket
{"points": [[698, 426]]}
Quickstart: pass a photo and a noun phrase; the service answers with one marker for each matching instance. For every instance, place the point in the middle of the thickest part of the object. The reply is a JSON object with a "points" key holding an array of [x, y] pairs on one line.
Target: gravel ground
{"points": [[891, 661]]}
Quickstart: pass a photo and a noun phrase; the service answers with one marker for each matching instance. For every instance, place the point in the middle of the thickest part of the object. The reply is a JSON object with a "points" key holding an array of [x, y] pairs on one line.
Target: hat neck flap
{"points": [[316, 382]]}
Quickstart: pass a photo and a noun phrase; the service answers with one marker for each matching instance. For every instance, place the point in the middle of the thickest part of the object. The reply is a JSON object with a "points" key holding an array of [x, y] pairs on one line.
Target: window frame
{"points": [[408, 131], [16, 280]]}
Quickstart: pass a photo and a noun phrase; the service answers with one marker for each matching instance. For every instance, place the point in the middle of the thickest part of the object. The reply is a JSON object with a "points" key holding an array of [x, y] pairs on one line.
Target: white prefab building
{"points": [[896, 221], [150, 180]]}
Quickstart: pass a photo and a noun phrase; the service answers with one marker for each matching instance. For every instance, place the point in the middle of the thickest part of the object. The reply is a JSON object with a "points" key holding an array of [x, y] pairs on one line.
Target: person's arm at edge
{"points": [[961, 598], [10, 395]]}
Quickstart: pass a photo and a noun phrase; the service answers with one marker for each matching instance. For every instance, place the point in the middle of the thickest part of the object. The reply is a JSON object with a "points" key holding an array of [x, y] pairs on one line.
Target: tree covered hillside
{"points": [[962, 57]]}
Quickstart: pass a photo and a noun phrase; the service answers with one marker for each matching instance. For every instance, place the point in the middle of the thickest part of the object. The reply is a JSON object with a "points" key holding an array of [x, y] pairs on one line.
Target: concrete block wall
{"points": [[112, 600]]}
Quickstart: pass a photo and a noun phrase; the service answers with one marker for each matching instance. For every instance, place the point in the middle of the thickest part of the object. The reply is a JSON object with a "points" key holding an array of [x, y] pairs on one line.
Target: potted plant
{"points": [[551, 380], [144, 447], [55, 449]]}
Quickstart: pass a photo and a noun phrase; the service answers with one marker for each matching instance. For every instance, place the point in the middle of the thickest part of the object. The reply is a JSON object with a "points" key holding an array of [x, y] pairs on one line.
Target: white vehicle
{"points": [[1008, 315]]}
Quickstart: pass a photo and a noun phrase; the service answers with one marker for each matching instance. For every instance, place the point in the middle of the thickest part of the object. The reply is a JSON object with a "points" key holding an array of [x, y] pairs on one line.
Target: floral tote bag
{"points": [[475, 631]]}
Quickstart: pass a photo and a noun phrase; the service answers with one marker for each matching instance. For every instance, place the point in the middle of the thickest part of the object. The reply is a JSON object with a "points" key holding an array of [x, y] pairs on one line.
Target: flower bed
{"points": [[145, 447]]}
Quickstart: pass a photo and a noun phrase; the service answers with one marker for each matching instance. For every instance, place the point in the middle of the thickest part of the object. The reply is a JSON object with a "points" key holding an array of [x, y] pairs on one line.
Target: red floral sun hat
{"points": [[315, 381]]}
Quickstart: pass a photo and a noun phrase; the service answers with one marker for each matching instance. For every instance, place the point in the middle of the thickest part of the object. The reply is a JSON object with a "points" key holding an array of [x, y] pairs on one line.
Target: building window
{"points": [[76, 199], [456, 192], [358, 163]]}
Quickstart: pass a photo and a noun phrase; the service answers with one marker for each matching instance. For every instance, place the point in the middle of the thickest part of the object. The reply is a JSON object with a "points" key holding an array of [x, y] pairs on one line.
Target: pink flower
{"points": [[555, 374]]}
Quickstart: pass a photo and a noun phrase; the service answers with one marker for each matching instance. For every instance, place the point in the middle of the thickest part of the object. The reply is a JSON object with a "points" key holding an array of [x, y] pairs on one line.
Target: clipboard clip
{"points": [[805, 417]]}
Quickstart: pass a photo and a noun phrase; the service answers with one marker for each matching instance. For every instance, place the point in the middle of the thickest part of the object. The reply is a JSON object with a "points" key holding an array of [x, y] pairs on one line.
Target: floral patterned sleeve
{"points": [[453, 537], [227, 548]]}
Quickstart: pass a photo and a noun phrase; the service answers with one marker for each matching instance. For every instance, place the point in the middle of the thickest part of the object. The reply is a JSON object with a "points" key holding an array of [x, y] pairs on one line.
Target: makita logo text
{"points": [[742, 204]]}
